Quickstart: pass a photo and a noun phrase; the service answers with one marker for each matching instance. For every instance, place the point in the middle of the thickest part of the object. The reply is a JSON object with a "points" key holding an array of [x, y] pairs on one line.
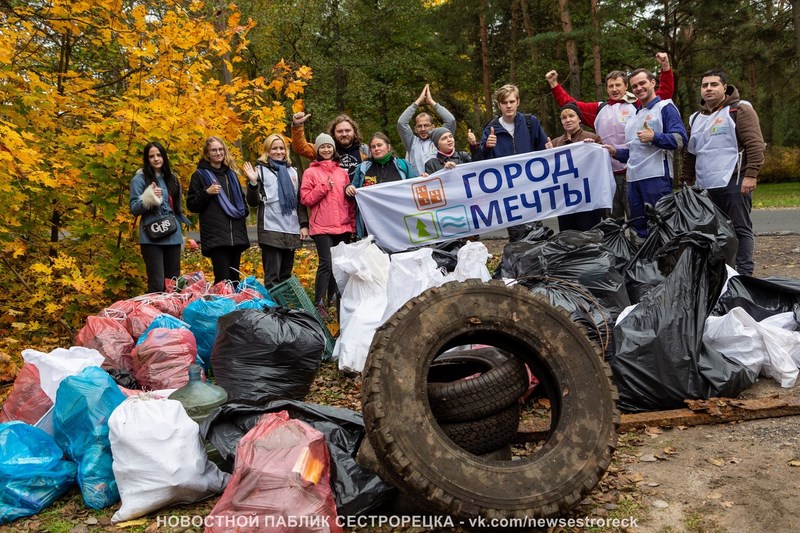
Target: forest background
{"points": [[84, 84]]}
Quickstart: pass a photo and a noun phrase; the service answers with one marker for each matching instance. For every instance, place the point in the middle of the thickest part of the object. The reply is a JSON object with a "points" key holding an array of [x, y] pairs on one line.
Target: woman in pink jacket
{"points": [[331, 215]]}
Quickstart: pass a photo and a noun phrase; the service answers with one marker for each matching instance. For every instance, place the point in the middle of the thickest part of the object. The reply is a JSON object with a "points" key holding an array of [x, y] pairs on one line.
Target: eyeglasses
{"points": [[216, 150]]}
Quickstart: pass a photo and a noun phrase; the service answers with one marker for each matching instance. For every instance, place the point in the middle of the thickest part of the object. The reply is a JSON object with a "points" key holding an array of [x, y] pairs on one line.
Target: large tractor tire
{"points": [[424, 463]]}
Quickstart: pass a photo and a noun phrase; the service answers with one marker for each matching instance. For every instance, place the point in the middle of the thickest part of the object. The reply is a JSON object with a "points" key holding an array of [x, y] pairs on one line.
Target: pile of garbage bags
{"points": [[671, 319]]}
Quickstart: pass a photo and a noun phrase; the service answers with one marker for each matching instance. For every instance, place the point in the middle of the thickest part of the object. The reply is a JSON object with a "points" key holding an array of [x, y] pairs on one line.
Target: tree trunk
{"points": [[572, 50], [222, 25], [796, 16], [514, 39], [544, 110], [598, 74], [487, 87]]}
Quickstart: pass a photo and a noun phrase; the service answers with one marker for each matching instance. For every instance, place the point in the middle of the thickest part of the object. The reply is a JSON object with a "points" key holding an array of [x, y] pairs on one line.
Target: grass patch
{"points": [[777, 195]]}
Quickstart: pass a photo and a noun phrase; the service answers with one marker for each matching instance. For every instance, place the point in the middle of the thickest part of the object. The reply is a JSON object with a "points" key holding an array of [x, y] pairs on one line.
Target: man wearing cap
{"points": [[608, 118], [419, 146], [725, 152]]}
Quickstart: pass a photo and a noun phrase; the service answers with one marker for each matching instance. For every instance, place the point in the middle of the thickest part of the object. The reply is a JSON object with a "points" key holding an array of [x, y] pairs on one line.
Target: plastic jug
{"points": [[199, 397]]}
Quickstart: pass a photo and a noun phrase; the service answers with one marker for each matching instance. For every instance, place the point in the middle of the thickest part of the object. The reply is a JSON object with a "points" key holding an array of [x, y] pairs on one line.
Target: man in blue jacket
{"points": [[512, 132], [651, 138]]}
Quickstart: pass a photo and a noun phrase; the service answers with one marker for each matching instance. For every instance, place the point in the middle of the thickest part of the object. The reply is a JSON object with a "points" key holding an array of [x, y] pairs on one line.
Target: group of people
{"points": [[641, 131]]}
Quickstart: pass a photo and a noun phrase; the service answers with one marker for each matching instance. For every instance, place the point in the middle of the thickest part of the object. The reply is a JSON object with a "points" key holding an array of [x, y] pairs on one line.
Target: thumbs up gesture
{"points": [[491, 140], [471, 138], [646, 134]]}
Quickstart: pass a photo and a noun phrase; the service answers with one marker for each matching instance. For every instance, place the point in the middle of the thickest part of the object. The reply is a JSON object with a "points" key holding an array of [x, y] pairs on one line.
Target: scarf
{"points": [[449, 155], [383, 160], [287, 196], [234, 206]]}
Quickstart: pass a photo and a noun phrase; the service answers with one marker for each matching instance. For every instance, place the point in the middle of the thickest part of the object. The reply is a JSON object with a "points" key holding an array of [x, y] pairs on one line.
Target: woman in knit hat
{"points": [[573, 133], [332, 217], [274, 187], [446, 154]]}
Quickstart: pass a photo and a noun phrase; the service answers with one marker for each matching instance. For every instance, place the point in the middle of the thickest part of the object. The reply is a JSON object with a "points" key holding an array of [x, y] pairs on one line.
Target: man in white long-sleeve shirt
{"points": [[419, 147]]}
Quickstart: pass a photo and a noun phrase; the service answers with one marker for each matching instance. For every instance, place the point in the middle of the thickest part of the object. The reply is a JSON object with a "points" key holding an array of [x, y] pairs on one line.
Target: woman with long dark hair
{"points": [[215, 193], [155, 196]]}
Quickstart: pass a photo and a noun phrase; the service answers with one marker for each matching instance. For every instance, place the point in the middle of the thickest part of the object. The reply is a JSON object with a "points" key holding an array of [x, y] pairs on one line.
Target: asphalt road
{"points": [[765, 222]]}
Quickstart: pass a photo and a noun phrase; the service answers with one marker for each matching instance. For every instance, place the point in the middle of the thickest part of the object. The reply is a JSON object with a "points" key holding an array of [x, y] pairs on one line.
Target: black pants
{"points": [[277, 264], [161, 262], [325, 283], [622, 208], [580, 221], [225, 260], [737, 206]]}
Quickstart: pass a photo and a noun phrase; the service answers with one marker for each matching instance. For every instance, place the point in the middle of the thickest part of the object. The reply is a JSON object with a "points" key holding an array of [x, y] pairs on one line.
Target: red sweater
{"points": [[589, 110]]}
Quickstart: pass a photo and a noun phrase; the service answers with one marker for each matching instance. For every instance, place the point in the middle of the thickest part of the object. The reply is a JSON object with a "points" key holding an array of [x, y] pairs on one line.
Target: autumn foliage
{"points": [[84, 86]]}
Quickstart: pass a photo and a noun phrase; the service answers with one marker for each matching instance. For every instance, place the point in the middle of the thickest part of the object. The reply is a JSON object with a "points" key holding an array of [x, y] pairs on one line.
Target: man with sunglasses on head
{"points": [[418, 143]]}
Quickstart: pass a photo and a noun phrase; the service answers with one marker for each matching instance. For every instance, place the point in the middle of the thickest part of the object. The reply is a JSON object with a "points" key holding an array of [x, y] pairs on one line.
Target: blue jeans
{"points": [[647, 191]]}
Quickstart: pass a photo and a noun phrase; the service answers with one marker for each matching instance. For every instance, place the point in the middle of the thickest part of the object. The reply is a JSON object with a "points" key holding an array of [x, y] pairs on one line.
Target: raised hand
{"points": [[250, 172], [552, 78], [471, 138], [663, 60], [491, 140], [300, 117]]}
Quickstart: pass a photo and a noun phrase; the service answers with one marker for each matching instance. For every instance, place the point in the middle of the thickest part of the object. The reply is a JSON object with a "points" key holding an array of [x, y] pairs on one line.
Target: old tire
{"points": [[486, 434], [502, 382], [423, 462]]}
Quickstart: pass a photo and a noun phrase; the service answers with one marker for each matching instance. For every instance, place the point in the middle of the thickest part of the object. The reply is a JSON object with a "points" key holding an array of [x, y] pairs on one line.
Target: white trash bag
{"points": [[472, 258], [364, 270], [55, 366], [764, 347], [410, 273], [159, 457]]}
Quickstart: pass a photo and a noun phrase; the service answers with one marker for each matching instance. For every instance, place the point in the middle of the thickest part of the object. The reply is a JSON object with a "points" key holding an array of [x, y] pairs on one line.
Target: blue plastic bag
{"points": [[33, 471], [252, 283], [80, 426], [163, 321], [257, 303], [202, 315]]}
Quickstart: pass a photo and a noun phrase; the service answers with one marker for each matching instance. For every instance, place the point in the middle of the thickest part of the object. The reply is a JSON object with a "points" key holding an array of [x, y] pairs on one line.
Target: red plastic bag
{"points": [[223, 288], [110, 338], [281, 474], [246, 294], [138, 321], [119, 310], [171, 304], [162, 360], [27, 401], [186, 280]]}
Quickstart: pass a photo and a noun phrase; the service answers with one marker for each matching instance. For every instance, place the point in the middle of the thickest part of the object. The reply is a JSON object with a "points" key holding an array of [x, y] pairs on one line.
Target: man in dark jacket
{"points": [[512, 132], [724, 153]]}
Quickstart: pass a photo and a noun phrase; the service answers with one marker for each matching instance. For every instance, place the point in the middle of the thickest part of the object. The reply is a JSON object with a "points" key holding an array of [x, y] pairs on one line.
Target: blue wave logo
{"points": [[458, 222]]}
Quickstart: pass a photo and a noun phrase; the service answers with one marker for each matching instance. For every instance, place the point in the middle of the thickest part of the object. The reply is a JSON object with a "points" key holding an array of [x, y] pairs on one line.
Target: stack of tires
{"points": [[416, 403], [475, 394]]}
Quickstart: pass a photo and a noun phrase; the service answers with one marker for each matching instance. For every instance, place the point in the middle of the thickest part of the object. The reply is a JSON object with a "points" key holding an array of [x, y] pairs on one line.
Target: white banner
{"points": [[484, 196]]}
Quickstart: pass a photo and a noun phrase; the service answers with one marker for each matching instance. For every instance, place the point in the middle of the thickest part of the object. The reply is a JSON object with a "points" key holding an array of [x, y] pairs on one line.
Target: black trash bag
{"points": [[446, 253], [616, 241], [582, 308], [640, 277], [531, 232], [267, 354], [355, 488], [124, 378], [573, 256], [660, 359], [690, 209], [760, 298]]}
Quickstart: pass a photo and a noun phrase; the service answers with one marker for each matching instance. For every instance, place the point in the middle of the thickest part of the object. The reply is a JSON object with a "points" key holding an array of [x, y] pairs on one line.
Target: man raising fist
{"points": [[651, 138]]}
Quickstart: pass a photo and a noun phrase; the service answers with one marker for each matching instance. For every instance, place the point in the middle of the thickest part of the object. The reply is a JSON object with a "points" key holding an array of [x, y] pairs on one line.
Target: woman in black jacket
{"points": [[215, 193]]}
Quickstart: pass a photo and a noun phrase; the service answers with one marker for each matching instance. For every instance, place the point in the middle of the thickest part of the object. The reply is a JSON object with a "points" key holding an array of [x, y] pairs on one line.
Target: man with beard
{"points": [[725, 152], [346, 136], [419, 146]]}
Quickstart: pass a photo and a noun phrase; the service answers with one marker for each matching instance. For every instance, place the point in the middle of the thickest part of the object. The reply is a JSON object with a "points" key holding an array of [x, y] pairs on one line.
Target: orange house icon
{"points": [[429, 194]]}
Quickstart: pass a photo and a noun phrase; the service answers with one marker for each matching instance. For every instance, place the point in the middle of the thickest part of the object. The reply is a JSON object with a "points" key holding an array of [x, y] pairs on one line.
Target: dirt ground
{"points": [[731, 477]]}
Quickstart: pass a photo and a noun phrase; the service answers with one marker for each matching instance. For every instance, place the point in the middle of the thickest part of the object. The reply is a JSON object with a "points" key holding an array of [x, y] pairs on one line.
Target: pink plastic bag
{"points": [[162, 360], [27, 401], [247, 294], [119, 310], [110, 338], [171, 304], [223, 288], [281, 473], [138, 320]]}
